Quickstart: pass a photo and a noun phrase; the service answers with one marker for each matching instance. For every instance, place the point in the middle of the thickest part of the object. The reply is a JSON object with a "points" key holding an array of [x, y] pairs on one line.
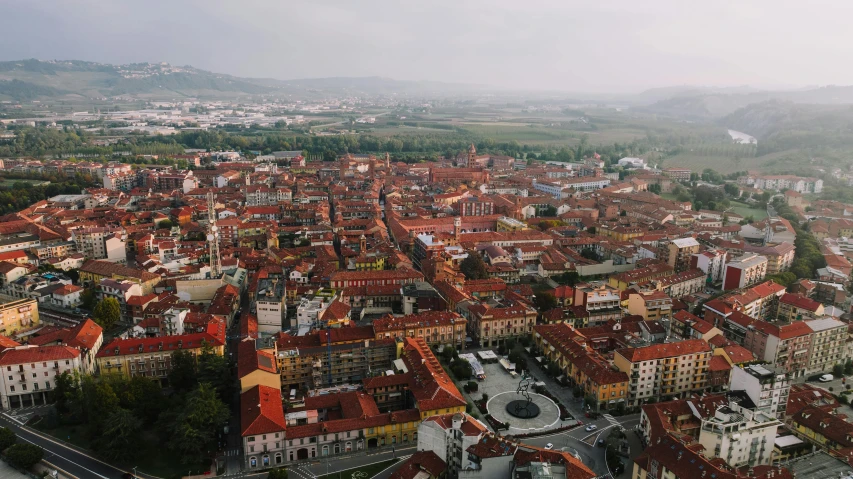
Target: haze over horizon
{"points": [[617, 47]]}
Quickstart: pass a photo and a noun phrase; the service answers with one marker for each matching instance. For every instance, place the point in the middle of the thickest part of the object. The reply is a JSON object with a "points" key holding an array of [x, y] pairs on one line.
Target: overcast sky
{"points": [[570, 45]]}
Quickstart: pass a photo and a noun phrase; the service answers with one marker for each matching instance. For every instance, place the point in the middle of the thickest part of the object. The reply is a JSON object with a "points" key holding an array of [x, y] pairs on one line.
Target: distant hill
{"points": [[709, 105], [31, 79], [783, 125]]}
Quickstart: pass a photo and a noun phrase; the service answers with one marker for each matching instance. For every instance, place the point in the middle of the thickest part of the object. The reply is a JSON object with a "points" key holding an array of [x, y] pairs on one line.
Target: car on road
{"points": [[549, 446], [591, 427], [826, 378], [601, 443]]}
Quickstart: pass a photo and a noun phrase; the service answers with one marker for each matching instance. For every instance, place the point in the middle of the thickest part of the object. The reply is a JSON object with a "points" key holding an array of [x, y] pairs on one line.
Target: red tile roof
{"points": [[261, 411], [421, 461], [800, 301], [215, 336], [36, 354], [84, 336], [658, 351]]}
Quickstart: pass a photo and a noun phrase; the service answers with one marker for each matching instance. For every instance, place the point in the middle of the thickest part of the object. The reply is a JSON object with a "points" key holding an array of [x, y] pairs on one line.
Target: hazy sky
{"points": [[570, 45]]}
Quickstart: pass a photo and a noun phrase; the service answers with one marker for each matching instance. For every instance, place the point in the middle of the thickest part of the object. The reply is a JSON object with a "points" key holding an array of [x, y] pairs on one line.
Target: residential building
{"points": [[19, 315], [270, 307], [793, 307], [652, 305], [435, 327], [104, 243], [767, 387], [828, 340], [152, 357], [30, 373], [262, 427], [681, 251], [87, 337], [664, 370], [744, 271]]}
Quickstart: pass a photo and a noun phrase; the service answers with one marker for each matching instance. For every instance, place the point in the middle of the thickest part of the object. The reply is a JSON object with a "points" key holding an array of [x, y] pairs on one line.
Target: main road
{"points": [[64, 457]]}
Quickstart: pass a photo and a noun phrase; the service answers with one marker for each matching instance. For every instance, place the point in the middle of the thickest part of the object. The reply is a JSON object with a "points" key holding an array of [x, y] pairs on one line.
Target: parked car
{"points": [[591, 427], [601, 443], [826, 378], [549, 446]]}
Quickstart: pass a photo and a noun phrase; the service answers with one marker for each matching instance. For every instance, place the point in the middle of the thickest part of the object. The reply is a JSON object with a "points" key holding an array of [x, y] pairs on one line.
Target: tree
{"points": [[215, 370], [193, 429], [280, 473], [461, 369], [549, 211], [8, 438], [164, 224], [655, 188], [107, 313], [65, 390], [24, 456], [848, 367], [88, 298], [731, 189], [838, 370], [119, 437], [589, 253], [545, 301], [473, 267], [184, 374]]}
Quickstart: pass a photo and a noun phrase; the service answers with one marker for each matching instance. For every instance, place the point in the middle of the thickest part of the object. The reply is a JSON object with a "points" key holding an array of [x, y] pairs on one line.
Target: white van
{"points": [[826, 378]]}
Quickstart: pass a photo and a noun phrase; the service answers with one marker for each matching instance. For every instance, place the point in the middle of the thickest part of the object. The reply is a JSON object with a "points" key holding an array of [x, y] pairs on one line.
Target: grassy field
{"points": [[773, 162], [745, 211], [364, 472]]}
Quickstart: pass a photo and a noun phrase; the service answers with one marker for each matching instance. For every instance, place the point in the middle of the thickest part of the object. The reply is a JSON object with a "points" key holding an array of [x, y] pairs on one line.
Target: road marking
{"points": [[62, 446]]}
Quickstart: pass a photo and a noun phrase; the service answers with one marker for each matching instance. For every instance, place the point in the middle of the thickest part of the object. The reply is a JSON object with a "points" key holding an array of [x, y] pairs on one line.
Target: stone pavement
{"points": [[8, 472], [548, 418]]}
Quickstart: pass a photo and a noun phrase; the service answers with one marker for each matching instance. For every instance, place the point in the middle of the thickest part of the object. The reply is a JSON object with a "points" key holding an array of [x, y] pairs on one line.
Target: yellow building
{"points": [[822, 428], [256, 367], [19, 315], [652, 305], [568, 349], [506, 223], [152, 357]]}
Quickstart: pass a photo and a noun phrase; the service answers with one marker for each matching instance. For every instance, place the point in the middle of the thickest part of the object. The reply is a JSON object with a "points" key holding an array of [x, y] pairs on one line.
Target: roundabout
{"points": [[523, 416]]}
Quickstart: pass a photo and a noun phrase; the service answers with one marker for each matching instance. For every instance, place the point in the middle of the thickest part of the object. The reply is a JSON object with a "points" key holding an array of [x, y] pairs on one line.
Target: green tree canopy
{"points": [[24, 456], [196, 424], [7, 438], [473, 267], [107, 313]]}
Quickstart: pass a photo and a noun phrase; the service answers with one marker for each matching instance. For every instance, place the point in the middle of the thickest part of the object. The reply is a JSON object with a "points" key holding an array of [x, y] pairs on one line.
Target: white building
{"points": [[448, 436], [629, 162], [30, 372], [270, 308], [66, 296], [829, 338], [106, 243], [738, 435], [711, 262], [310, 309], [744, 271], [767, 387]]}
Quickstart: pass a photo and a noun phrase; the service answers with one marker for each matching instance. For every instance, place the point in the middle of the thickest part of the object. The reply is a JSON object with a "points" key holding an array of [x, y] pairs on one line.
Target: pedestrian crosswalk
{"points": [[612, 420], [232, 452]]}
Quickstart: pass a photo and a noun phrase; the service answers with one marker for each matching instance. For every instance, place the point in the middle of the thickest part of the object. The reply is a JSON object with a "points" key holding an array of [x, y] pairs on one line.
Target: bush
{"points": [[280, 473], [473, 386], [7, 438], [24, 456], [485, 397]]}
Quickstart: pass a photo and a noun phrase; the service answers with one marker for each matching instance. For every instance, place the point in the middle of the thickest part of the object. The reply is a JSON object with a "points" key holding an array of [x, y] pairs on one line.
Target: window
{"points": [[12, 388], [251, 438]]}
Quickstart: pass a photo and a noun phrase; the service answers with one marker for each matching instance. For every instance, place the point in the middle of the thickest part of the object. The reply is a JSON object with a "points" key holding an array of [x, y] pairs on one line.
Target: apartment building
{"points": [[793, 307], [270, 307], [779, 256], [152, 357], [828, 340], [680, 252], [744, 271], [786, 346], [30, 372], [572, 352], [492, 323], [262, 427], [767, 387], [651, 305], [739, 434], [664, 370], [436, 327], [18, 315], [601, 301]]}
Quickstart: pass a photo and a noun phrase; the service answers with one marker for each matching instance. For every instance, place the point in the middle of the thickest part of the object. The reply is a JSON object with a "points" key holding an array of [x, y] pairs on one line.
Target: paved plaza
{"points": [[548, 418]]}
